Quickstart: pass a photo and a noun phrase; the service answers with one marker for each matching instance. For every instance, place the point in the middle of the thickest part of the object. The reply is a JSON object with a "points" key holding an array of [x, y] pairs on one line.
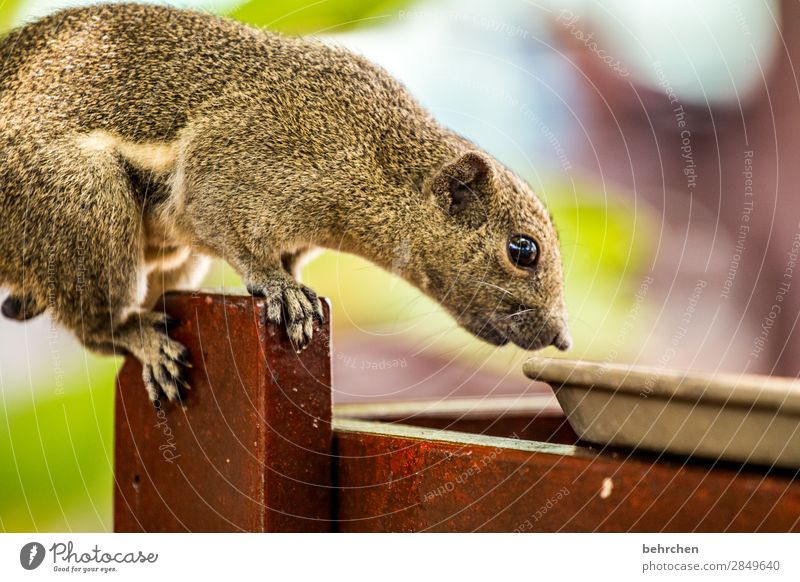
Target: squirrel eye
{"points": [[523, 251]]}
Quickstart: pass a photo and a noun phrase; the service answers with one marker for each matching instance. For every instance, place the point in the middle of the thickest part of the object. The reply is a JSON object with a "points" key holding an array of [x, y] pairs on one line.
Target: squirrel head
{"points": [[491, 257]]}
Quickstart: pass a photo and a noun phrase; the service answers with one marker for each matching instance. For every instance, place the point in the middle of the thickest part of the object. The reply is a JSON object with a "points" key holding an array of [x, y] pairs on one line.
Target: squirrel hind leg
{"points": [[21, 307], [98, 264]]}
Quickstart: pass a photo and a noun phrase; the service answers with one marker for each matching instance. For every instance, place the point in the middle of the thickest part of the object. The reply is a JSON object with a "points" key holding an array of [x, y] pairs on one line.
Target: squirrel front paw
{"points": [[292, 303], [164, 360]]}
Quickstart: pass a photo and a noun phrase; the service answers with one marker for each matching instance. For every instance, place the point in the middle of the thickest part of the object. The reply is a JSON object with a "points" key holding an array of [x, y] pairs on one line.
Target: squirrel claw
{"points": [[164, 365], [158, 381], [316, 305], [274, 309], [301, 309], [294, 305], [149, 384]]}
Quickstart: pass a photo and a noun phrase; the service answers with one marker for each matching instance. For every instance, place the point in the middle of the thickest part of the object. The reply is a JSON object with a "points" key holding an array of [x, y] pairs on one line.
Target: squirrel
{"points": [[139, 141]]}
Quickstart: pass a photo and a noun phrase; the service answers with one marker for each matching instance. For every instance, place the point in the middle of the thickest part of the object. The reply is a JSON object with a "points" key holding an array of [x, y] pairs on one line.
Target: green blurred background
{"points": [[57, 407]]}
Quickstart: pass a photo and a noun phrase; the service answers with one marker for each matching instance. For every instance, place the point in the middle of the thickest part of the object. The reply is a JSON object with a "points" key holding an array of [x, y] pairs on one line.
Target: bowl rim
{"points": [[721, 388]]}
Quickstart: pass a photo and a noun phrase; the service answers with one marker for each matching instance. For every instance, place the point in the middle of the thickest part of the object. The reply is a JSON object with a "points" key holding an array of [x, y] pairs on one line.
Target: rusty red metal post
{"points": [[249, 450]]}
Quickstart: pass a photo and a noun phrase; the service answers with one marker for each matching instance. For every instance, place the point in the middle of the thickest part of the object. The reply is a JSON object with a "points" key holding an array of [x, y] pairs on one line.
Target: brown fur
{"points": [[137, 140]]}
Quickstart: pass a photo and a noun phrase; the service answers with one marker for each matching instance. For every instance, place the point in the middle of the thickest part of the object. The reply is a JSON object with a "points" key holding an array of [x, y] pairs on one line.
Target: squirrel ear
{"points": [[463, 181]]}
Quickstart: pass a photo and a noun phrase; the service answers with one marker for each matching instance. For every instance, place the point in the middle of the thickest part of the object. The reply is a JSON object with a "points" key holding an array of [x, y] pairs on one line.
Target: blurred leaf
{"points": [[56, 455], [602, 234], [605, 244], [9, 9], [316, 16]]}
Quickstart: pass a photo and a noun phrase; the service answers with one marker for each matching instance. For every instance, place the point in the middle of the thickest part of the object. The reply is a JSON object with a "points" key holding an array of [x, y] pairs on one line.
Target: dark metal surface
{"points": [[533, 417], [250, 450]]}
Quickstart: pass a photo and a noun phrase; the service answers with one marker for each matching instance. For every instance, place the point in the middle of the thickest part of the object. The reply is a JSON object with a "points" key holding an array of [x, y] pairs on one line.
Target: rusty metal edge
{"points": [[349, 425]]}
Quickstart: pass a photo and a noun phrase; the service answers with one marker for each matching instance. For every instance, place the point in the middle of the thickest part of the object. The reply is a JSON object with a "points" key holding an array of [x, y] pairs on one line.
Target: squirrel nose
{"points": [[562, 339]]}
